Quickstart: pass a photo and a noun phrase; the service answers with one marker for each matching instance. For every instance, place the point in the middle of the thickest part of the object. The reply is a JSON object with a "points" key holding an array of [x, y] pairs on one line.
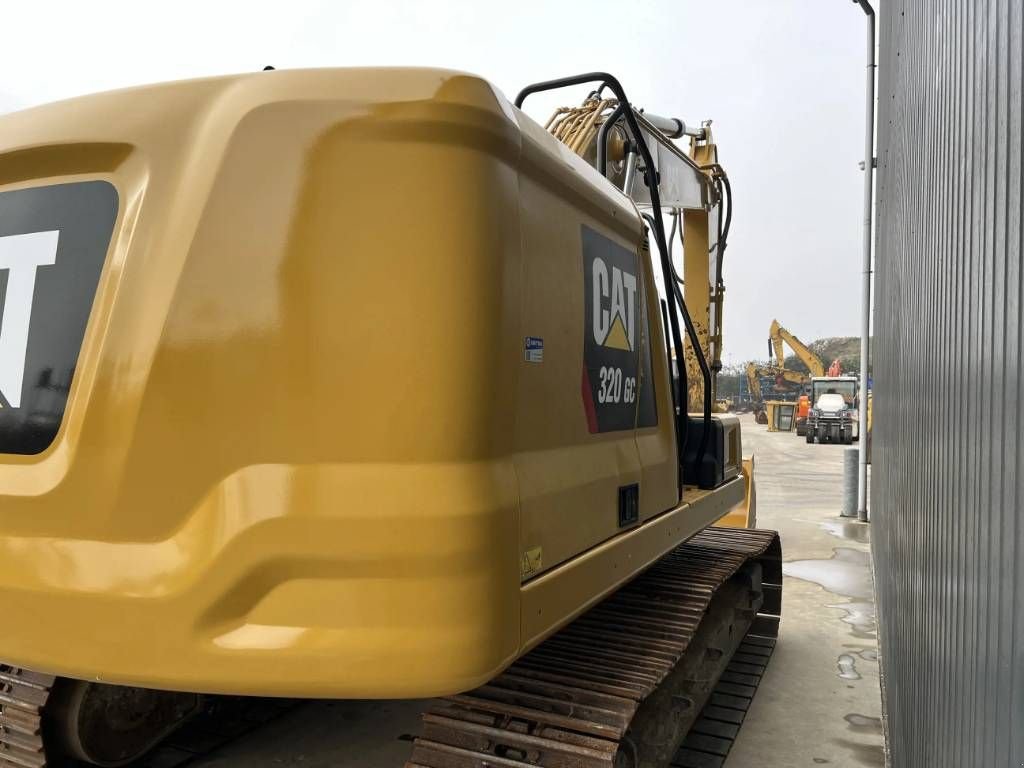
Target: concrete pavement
{"points": [[819, 702]]}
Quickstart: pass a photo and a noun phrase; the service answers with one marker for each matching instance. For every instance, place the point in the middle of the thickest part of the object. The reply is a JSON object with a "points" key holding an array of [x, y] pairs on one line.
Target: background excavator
{"points": [[801, 382], [777, 370], [777, 335], [818, 420], [787, 384]]}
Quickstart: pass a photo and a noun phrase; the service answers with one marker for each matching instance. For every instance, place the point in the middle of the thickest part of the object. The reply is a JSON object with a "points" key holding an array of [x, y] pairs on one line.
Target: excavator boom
{"points": [[754, 382], [778, 335]]}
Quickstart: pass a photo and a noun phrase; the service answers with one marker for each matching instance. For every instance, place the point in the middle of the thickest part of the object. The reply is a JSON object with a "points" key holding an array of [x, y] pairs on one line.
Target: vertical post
{"points": [[865, 322]]}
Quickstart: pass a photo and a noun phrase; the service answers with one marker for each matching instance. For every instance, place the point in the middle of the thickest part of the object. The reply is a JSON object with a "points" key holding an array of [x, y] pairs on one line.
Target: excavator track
{"points": [[578, 699], [26, 698], [23, 696]]}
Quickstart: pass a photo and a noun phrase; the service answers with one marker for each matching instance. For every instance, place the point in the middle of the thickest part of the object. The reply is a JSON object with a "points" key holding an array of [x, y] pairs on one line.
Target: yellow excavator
{"points": [[358, 384], [816, 368], [777, 335], [756, 372], [776, 368]]}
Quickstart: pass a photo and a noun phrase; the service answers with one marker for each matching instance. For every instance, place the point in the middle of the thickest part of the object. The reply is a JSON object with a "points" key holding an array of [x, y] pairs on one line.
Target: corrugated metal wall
{"points": [[948, 477]]}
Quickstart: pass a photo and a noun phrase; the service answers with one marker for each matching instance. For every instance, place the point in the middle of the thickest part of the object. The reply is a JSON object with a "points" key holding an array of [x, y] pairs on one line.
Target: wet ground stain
{"points": [[861, 618], [847, 573], [851, 530], [865, 754], [864, 654], [848, 667], [863, 723]]}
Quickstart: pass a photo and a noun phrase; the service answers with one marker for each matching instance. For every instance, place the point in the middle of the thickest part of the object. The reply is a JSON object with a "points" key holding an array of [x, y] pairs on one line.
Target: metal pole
{"points": [[865, 320]]}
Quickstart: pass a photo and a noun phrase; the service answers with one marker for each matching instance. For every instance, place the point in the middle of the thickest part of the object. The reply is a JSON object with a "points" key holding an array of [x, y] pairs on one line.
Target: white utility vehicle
{"points": [[833, 413]]}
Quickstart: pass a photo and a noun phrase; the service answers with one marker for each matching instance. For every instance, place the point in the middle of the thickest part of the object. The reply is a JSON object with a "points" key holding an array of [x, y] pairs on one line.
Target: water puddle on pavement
{"points": [[860, 617], [848, 667], [851, 530], [863, 723], [865, 727], [863, 652], [872, 755], [846, 573]]}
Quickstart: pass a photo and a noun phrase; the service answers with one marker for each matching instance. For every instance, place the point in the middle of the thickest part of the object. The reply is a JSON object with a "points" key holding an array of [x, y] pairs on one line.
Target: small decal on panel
{"points": [[532, 562], [533, 349]]}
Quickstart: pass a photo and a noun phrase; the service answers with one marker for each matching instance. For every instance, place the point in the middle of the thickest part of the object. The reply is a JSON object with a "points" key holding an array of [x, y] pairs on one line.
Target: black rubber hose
{"points": [[673, 378], [672, 234], [691, 331], [724, 225], [723, 237], [671, 285], [676, 217], [705, 371]]}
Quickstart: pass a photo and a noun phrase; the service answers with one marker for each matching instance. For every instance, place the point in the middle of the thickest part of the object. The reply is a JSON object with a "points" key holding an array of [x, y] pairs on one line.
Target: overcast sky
{"points": [[783, 81]]}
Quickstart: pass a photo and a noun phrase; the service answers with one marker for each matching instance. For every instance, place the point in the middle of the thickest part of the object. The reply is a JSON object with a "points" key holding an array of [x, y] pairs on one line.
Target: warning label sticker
{"points": [[533, 349]]}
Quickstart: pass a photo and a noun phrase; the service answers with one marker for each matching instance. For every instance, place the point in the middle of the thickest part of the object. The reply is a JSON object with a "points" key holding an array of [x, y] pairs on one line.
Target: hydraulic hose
{"points": [[625, 111], [691, 332]]}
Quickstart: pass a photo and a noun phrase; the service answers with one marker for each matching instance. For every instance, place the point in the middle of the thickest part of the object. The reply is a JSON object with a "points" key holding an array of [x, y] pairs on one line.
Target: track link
{"points": [[708, 743], [569, 702], [23, 696]]}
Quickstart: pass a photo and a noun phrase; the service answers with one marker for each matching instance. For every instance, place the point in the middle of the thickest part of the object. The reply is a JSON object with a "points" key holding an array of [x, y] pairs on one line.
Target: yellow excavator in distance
{"points": [[755, 372], [777, 335]]}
